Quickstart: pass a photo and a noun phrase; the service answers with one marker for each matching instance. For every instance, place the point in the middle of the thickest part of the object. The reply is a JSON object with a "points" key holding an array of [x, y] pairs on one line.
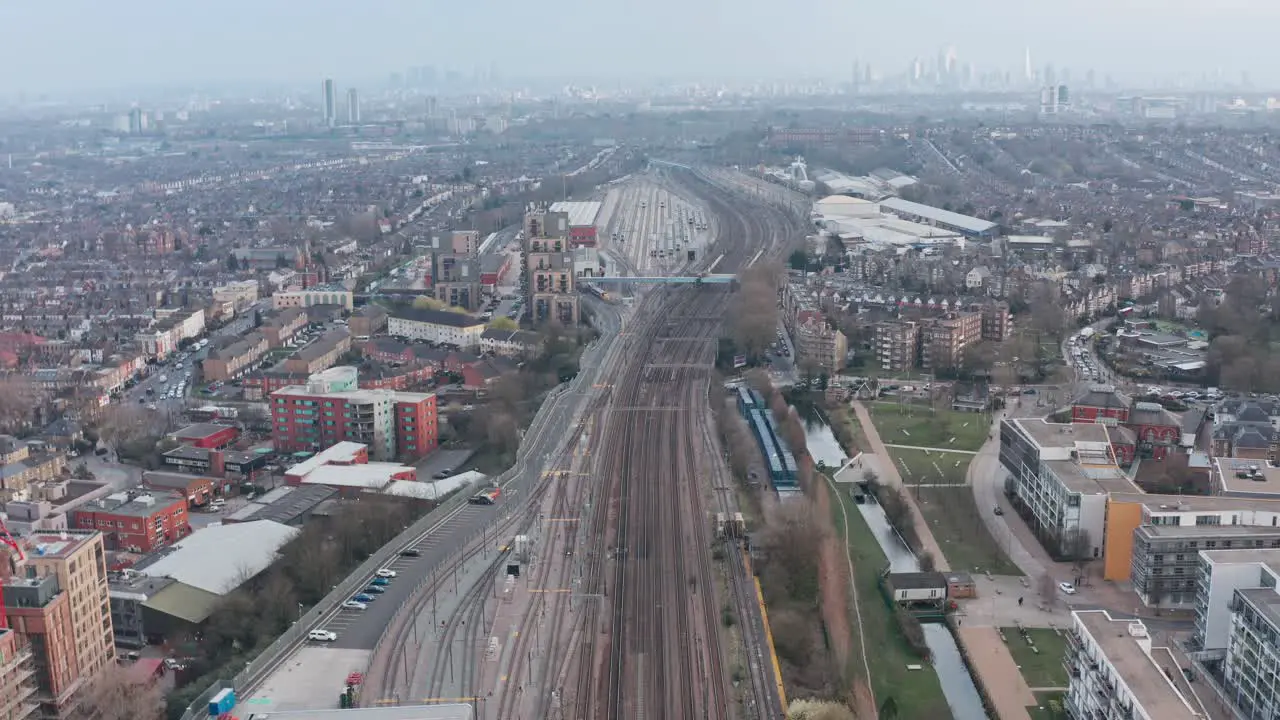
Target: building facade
{"points": [[394, 425], [1058, 477], [895, 345], [1113, 674], [437, 326], [135, 522], [944, 339], [323, 295], [549, 268], [18, 686]]}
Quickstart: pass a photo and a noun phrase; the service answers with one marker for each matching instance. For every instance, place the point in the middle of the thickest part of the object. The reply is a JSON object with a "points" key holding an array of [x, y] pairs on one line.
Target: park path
{"points": [[853, 589], [891, 476], [931, 449], [992, 663]]}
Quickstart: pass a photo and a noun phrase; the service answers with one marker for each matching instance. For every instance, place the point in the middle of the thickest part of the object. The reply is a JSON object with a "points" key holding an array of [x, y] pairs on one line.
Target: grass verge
{"points": [[953, 519], [917, 693], [931, 467], [926, 427], [1048, 706], [1042, 669]]}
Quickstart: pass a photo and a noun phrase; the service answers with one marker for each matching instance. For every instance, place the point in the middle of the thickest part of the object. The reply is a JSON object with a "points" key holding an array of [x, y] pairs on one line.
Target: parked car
{"points": [[410, 553], [363, 598], [386, 573], [380, 582], [375, 590], [1067, 588], [354, 605], [322, 635]]}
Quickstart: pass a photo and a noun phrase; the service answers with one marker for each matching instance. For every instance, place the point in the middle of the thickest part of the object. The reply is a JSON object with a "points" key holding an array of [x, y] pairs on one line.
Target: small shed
{"points": [[960, 586], [914, 587]]}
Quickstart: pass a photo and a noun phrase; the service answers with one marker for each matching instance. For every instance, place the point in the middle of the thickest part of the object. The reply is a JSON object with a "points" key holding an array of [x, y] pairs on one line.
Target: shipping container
{"points": [[222, 703]]}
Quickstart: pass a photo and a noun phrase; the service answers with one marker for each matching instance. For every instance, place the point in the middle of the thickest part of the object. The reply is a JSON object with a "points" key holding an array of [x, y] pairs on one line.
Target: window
{"points": [[1208, 520]]}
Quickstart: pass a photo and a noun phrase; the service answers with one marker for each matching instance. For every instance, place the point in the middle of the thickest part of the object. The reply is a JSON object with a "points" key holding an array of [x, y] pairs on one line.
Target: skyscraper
{"points": [[1028, 73], [353, 107], [330, 103]]}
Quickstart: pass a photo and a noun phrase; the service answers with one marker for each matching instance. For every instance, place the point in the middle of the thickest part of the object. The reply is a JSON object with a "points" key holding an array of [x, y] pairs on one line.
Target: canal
{"points": [[957, 685]]}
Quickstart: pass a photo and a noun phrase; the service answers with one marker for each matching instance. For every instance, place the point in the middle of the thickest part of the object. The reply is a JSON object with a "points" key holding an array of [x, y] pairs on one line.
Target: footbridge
{"points": [[710, 278]]}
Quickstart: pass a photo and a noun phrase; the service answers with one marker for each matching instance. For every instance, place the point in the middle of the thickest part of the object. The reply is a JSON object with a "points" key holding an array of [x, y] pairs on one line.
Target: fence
{"points": [[291, 638]]}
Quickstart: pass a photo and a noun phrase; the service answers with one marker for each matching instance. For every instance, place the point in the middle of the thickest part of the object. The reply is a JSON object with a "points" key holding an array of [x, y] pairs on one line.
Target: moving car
{"points": [[410, 553], [322, 635], [355, 605], [386, 573], [1067, 588]]}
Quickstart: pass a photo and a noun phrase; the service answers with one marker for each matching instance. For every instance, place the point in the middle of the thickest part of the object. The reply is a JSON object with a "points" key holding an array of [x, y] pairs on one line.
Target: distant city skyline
{"points": [[78, 45]]}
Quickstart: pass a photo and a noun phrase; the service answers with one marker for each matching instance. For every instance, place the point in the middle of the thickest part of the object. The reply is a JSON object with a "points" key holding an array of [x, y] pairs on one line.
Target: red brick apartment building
{"points": [[395, 425], [1100, 404], [132, 522]]}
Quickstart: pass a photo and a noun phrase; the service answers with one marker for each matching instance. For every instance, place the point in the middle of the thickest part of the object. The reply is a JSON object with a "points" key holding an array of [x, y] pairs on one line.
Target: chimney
{"points": [[217, 464]]}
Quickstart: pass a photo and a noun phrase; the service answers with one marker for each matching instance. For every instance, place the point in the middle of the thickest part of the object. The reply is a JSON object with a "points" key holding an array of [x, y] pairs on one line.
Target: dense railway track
{"points": [[654, 649]]}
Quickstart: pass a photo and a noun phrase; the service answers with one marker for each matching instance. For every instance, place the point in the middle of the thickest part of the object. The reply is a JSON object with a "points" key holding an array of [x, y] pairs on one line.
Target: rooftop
{"points": [[1091, 479], [438, 317], [1063, 435], [1192, 503], [1248, 477], [371, 476], [133, 504], [219, 558], [580, 213], [200, 430], [1268, 557], [283, 504], [343, 452], [1126, 646], [972, 224], [57, 544]]}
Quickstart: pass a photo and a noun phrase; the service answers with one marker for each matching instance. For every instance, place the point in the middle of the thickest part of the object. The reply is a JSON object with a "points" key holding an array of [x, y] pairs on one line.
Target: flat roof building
{"points": [[971, 226], [1115, 672]]}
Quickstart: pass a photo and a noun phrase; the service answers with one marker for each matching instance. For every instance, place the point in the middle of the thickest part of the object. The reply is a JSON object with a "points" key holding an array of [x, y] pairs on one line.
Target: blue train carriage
{"points": [[745, 402], [789, 468], [773, 458]]}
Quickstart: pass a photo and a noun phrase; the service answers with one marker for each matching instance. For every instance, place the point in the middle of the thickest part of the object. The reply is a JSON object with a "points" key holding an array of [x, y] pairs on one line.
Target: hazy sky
{"points": [[61, 45]]}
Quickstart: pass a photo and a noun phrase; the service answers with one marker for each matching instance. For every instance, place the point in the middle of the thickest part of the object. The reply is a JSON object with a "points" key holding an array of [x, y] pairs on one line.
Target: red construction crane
{"points": [[7, 539]]}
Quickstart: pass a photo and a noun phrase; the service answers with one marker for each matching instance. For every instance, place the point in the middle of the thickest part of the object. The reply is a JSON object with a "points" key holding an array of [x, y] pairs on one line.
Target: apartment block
{"points": [[135, 522], [819, 345], [1238, 624], [322, 354], [233, 357], [21, 470], [238, 293], [896, 343], [1059, 477], [997, 321], [549, 268], [321, 295], [283, 325], [394, 425], [1116, 673], [18, 686], [456, 280], [437, 326], [943, 340], [59, 601], [1219, 575]]}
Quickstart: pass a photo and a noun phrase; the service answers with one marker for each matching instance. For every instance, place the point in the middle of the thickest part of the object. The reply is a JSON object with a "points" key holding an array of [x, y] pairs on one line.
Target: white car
{"points": [[322, 635], [385, 573], [355, 605], [1067, 588]]}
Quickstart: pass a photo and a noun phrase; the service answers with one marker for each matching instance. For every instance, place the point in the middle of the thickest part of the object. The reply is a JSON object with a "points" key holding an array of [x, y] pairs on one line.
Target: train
{"points": [[488, 496], [596, 290], [779, 460], [726, 527]]}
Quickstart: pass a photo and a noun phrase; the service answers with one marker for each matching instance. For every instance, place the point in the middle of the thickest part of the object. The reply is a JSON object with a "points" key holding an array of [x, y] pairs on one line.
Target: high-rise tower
{"points": [[330, 103], [353, 107]]}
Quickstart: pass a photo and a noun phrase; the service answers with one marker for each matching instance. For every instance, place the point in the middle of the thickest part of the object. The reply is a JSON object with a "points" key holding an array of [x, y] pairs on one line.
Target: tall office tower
{"points": [[1028, 73], [330, 103], [353, 107], [432, 107], [137, 120], [949, 61]]}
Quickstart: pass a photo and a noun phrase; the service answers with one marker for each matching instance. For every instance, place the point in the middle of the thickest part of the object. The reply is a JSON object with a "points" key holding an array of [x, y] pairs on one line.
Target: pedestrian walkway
{"points": [[996, 672], [891, 476], [931, 449]]}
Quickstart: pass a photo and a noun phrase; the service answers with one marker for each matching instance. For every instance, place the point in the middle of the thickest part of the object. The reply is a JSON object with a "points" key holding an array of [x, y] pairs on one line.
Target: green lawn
{"points": [[953, 518], [1044, 698], [921, 466], [925, 427], [1045, 668], [917, 692]]}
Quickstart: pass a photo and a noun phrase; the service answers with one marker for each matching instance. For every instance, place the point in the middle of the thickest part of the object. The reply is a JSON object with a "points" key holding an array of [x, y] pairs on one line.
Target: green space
{"points": [[952, 515], [931, 467], [918, 693], [1043, 668], [1049, 706], [902, 424]]}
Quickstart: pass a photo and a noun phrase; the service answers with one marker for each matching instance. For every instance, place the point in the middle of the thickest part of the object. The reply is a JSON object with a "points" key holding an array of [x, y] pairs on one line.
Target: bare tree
{"points": [[753, 320], [1048, 589], [115, 695], [18, 397]]}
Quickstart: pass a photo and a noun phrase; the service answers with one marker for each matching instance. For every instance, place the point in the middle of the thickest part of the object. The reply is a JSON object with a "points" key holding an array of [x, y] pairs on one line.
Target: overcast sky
{"points": [[63, 45]]}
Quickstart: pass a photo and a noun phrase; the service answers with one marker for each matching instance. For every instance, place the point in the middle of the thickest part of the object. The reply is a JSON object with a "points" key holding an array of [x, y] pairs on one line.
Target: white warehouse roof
{"points": [[964, 222], [580, 213], [219, 558]]}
